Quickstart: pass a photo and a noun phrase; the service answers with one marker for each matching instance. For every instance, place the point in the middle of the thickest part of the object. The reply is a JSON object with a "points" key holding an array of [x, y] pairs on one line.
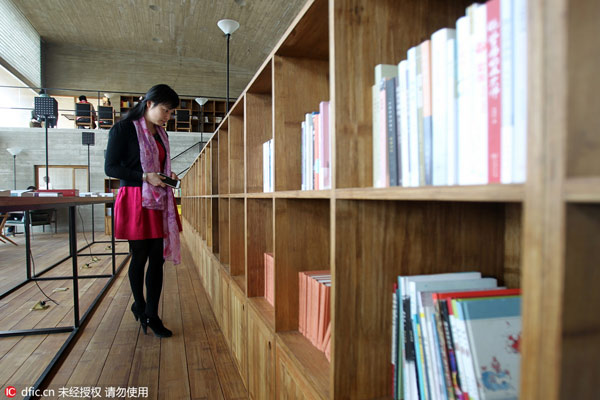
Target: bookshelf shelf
{"points": [[540, 236], [298, 350], [303, 194], [264, 311], [488, 193], [582, 190]]}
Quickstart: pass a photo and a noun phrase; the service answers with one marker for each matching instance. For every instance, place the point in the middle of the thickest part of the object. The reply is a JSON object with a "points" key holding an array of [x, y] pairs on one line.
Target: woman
{"points": [[145, 211]]}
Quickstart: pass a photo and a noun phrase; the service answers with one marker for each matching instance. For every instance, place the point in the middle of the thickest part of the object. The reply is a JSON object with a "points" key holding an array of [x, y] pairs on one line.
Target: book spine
{"points": [[494, 80], [376, 132], [390, 95], [520, 91], [403, 131], [303, 155], [439, 41], [506, 38], [413, 117], [325, 145], [420, 118], [317, 167], [451, 127], [480, 143], [464, 97], [427, 113]]}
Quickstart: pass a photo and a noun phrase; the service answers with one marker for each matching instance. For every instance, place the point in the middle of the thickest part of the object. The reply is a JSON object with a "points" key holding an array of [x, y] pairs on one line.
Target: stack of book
{"points": [[455, 336], [270, 279], [268, 166], [455, 112], [314, 320], [316, 149]]}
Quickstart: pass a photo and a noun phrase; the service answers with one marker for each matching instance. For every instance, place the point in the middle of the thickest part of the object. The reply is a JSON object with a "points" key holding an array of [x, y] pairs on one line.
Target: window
{"points": [[63, 177]]}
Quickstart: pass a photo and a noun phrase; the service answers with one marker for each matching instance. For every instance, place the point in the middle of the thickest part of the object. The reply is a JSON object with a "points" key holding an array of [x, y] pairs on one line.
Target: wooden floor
{"points": [[112, 351]]}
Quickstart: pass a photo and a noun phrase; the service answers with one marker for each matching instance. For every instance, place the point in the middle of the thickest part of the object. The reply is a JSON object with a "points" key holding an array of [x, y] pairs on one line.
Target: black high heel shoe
{"points": [[136, 314], [157, 327]]}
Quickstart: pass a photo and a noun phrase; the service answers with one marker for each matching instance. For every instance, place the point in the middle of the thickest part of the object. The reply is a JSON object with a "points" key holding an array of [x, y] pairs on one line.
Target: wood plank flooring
{"points": [[112, 350]]}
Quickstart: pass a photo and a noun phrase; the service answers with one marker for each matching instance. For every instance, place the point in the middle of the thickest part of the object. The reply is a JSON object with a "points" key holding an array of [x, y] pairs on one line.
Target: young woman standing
{"points": [[145, 212]]}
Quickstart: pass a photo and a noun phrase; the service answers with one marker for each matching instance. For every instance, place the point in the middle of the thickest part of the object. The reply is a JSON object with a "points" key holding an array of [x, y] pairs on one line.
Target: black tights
{"points": [[142, 251]]}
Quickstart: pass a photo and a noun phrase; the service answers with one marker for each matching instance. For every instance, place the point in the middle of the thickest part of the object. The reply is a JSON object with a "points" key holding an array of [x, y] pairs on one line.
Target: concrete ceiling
{"points": [[130, 45]]}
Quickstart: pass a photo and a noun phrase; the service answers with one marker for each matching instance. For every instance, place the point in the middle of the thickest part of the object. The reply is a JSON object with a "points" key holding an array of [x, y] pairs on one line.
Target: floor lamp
{"points": [[201, 101], [228, 26], [15, 152]]}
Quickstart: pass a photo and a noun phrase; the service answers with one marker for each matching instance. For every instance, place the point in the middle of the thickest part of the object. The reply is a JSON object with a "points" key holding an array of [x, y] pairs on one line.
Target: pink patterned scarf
{"points": [[155, 197]]}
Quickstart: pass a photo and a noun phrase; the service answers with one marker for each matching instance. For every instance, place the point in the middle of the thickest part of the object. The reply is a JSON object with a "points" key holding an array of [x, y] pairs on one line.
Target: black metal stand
{"points": [[78, 320]]}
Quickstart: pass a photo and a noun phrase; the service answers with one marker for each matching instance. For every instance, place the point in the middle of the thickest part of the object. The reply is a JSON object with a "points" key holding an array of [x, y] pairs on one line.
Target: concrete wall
{"points": [[65, 148]]}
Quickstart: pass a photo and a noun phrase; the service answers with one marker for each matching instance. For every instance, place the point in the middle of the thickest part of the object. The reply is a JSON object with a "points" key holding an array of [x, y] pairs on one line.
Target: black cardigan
{"points": [[122, 159]]}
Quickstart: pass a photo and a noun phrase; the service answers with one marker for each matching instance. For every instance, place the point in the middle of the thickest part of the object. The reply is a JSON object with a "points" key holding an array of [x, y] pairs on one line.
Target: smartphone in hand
{"points": [[170, 181]]}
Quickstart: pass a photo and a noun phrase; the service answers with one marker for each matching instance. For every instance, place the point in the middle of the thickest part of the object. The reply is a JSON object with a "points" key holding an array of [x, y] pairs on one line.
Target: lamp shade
{"points": [[14, 151], [228, 26], [201, 100]]}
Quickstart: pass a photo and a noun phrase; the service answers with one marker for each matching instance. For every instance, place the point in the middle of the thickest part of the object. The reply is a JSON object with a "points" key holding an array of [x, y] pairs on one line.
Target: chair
{"points": [[3, 237], [83, 115], [183, 120], [36, 218], [106, 117]]}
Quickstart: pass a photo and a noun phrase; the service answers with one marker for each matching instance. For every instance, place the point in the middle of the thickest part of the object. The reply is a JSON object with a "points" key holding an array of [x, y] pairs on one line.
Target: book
{"points": [[413, 128], [493, 328], [427, 114], [440, 41], [507, 87], [325, 146], [494, 90], [402, 125], [65, 192], [390, 118]]}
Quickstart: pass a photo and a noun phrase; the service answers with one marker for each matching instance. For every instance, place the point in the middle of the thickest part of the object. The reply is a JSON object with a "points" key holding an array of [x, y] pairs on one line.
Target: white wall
{"points": [[20, 47], [11, 99]]}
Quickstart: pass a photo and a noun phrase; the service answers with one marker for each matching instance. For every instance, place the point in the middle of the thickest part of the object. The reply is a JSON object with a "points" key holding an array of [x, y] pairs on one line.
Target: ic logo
{"points": [[10, 391]]}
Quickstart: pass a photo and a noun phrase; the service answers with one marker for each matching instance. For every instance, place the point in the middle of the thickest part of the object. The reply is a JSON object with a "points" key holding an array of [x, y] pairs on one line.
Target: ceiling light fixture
{"points": [[157, 40], [228, 26], [154, 7]]}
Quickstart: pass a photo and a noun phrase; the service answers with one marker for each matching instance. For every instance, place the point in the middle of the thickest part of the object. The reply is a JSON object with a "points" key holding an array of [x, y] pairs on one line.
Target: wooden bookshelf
{"points": [[540, 236]]}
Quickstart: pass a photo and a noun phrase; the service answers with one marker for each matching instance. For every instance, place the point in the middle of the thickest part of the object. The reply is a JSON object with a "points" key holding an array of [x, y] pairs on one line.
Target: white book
{"points": [[480, 151], [464, 359], [271, 165], [439, 77], [325, 146], [507, 60], [266, 158], [452, 141], [413, 119], [376, 136], [464, 84], [520, 92], [310, 138], [403, 123], [303, 155]]}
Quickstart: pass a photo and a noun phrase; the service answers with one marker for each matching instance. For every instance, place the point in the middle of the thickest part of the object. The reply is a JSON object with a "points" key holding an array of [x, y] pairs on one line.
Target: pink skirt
{"points": [[132, 221]]}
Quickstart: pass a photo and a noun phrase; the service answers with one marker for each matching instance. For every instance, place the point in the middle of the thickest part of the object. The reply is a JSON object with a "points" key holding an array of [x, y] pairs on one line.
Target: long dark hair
{"points": [[159, 94]]}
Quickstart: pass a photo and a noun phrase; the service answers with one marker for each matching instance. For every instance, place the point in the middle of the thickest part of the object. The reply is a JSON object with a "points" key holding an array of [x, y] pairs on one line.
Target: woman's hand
{"points": [[154, 179]]}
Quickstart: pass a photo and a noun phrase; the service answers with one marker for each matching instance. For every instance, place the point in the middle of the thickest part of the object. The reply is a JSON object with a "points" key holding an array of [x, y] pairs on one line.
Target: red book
{"points": [[327, 341], [307, 310], [301, 302], [324, 313], [494, 76]]}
